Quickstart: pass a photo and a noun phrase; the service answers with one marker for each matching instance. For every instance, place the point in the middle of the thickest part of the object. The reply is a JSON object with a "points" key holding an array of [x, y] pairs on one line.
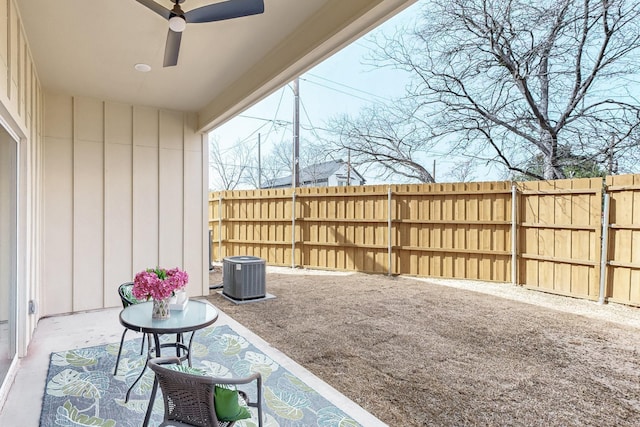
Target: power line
{"points": [[285, 123], [273, 123], [306, 113], [228, 149], [340, 91], [348, 87], [278, 122], [252, 133]]}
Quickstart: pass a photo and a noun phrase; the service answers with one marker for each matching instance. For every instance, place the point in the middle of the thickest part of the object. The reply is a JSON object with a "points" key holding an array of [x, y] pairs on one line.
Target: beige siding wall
{"points": [[109, 189], [21, 115], [20, 92], [125, 190]]}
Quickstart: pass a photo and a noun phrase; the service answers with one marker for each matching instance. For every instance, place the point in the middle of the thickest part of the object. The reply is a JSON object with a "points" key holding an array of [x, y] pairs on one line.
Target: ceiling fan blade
{"points": [[157, 8], [225, 10], [172, 48]]}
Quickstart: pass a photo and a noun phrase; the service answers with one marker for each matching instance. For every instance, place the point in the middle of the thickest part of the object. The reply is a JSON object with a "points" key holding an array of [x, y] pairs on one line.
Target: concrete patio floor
{"points": [[57, 333]]}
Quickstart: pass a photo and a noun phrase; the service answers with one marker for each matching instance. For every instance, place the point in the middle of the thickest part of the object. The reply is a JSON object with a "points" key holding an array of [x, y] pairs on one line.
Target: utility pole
{"points": [[612, 167], [259, 165], [433, 174], [348, 167], [295, 182]]}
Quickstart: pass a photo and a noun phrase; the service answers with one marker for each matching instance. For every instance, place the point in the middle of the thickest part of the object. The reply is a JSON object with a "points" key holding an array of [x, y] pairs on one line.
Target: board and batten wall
{"points": [[21, 114], [124, 190]]}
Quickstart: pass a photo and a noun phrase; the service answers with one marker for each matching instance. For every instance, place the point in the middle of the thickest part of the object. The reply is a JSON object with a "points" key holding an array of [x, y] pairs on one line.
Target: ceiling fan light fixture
{"points": [[217, 11], [177, 23]]}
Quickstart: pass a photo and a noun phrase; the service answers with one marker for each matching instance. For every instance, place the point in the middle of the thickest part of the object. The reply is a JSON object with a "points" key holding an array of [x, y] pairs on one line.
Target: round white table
{"points": [[137, 317]]}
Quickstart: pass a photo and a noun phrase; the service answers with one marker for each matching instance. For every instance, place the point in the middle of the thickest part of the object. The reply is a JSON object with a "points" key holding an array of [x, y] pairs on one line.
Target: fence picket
{"points": [[461, 230]]}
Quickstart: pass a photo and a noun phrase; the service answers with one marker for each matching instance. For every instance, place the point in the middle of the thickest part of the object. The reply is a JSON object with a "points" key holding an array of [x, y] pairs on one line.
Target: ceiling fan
{"points": [[178, 19]]}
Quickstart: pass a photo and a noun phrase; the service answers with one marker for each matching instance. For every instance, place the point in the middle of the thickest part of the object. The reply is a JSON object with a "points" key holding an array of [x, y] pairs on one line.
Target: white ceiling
{"points": [[90, 47]]}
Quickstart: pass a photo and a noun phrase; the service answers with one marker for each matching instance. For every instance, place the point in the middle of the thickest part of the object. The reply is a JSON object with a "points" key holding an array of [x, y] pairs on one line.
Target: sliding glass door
{"points": [[8, 250]]}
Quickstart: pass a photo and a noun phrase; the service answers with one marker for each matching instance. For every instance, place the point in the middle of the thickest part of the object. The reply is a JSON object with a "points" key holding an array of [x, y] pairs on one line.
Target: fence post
{"points": [[389, 228], [514, 239], [210, 252], [220, 226], [293, 229], [603, 251]]}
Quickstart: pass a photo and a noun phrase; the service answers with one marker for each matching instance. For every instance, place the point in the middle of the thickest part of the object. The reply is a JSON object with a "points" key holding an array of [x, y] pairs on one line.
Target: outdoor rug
{"points": [[81, 389]]}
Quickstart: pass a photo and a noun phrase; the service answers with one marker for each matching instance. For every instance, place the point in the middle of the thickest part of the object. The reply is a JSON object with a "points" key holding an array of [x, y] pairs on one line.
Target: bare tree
{"points": [[312, 154], [278, 162], [281, 157], [463, 171], [386, 140], [508, 80], [228, 166], [274, 164]]}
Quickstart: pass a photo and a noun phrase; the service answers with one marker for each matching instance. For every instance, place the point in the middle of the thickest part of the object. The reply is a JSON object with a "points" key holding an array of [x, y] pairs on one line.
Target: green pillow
{"points": [[227, 405]]}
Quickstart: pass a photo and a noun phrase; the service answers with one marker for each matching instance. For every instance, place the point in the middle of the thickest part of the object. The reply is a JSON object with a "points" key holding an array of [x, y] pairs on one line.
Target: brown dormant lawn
{"points": [[415, 353]]}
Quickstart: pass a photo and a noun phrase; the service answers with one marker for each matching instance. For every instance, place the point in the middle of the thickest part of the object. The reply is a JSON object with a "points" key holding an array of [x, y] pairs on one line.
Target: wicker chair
{"points": [[189, 399], [127, 298]]}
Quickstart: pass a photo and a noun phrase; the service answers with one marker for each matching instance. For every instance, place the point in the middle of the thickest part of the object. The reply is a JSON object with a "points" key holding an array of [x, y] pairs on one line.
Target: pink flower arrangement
{"points": [[158, 283]]}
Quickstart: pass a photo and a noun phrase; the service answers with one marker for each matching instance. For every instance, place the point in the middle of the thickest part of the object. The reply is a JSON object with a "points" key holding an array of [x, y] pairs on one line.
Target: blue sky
{"points": [[344, 83], [341, 84]]}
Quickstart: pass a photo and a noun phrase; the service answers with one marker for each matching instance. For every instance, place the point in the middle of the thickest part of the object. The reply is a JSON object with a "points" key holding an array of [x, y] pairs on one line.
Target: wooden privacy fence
{"points": [[544, 235], [559, 231], [622, 248]]}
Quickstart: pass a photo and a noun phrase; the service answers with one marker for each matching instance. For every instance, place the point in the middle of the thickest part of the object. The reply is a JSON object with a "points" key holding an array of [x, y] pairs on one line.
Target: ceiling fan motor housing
{"points": [[178, 19]]}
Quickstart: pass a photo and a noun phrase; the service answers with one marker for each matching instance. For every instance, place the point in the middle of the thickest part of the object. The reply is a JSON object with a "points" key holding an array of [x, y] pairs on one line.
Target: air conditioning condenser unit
{"points": [[244, 277]]}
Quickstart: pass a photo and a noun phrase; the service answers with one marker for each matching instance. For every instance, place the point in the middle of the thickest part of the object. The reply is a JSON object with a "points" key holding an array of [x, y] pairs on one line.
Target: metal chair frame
{"points": [[127, 300], [189, 399]]}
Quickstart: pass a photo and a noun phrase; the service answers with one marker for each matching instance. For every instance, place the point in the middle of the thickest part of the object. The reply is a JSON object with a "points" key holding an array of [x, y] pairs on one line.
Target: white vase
{"points": [[160, 309]]}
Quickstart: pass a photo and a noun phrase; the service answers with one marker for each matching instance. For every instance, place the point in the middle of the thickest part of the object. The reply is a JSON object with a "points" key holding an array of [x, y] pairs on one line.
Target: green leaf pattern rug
{"points": [[81, 389]]}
